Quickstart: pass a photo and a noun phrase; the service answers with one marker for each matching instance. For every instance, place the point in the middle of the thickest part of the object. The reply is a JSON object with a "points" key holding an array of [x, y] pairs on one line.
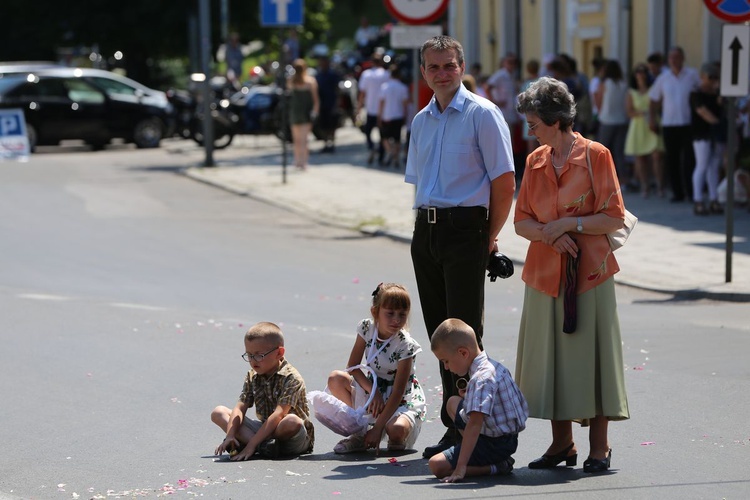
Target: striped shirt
{"points": [[493, 393]]}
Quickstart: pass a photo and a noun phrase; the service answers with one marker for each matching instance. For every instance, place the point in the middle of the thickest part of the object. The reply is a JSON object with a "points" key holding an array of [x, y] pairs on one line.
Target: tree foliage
{"points": [[143, 30]]}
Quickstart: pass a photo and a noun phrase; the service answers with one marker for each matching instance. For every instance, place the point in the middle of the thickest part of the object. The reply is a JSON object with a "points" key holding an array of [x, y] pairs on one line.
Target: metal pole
{"points": [[224, 20], [205, 47], [283, 101], [731, 158]]}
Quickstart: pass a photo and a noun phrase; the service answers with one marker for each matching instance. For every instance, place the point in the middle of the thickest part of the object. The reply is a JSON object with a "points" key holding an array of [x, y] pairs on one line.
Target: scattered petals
{"points": [[647, 443], [355, 280], [637, 368]]}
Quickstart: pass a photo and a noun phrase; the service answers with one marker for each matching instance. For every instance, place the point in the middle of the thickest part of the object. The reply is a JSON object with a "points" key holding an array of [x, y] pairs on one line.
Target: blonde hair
{"points": [[452, 334], [265, 331], [391, 296]]}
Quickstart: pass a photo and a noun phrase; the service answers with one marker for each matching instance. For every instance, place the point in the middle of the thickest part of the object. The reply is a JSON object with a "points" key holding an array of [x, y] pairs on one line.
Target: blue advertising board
{"points": [[281, 12], [14, 144]]}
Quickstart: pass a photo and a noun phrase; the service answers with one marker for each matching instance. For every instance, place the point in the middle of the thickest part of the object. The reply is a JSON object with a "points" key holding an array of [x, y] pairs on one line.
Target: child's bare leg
{"points": [[288, 427], [398, 431], [452, 405], [220, 416], [340, 385], [441, 467]]}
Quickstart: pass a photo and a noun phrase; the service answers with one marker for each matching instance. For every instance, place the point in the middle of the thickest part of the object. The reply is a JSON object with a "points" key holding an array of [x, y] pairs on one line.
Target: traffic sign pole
{"points": [[282, 13]]}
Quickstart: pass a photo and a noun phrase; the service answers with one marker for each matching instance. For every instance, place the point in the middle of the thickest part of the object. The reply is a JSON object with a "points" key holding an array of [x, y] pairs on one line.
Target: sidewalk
{"points": [[671, 251]]}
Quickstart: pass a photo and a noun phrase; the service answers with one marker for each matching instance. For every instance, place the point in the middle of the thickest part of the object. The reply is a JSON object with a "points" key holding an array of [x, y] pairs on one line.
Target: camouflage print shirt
{"points": [[284, 387]]}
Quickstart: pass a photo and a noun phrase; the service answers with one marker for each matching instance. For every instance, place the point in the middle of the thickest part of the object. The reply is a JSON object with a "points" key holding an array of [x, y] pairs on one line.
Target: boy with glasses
{"points": [[277, 391]]}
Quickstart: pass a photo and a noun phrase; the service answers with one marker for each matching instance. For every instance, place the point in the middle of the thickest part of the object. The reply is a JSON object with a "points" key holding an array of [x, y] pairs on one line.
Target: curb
{"points": [[378, 231]]}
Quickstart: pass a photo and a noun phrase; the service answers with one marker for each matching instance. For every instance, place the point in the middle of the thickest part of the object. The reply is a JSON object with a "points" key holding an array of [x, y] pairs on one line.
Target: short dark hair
{"points": [[268, 332], [550, 100], [442, 43]]}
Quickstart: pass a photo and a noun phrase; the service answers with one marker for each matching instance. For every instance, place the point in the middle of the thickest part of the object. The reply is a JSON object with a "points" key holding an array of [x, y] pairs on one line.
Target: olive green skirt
{"points": [[574, 376]]}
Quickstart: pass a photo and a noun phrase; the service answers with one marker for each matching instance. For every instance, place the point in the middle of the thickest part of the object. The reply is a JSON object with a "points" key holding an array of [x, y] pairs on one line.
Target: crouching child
{"points": [[490, 414]]}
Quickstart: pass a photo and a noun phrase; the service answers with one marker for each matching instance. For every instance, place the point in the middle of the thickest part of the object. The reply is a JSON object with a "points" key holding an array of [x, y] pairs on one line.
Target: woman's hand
{"points": [[566, 244], [556, 228]]}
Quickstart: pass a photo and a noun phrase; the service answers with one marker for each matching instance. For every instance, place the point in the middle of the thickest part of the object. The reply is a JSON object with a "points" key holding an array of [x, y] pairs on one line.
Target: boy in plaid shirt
{"points": [[277, 391], [490, 414]]}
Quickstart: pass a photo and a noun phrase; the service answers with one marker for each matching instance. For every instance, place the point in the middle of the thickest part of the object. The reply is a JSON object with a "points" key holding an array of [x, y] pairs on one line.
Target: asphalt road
{"points": [[125, 291]]}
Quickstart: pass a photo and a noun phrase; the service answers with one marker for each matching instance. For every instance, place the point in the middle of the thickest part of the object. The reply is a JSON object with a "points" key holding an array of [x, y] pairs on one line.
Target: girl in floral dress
{"points": [[398, 407]]}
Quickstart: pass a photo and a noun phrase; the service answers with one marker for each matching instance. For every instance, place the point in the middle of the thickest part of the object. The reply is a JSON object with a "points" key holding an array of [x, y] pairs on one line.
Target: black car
{"points": [[60, 106]]}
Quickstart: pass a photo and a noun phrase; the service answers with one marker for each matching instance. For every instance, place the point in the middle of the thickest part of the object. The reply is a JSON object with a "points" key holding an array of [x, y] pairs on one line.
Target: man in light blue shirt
{"points": [[461, 161]]}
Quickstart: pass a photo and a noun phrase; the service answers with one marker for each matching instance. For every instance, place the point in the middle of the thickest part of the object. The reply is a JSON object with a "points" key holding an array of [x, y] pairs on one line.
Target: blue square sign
{"points": [[281, 12]]}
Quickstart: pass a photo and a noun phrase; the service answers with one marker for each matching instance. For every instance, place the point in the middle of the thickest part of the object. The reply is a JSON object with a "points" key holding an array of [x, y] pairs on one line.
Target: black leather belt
{"points": [[434, 215]]}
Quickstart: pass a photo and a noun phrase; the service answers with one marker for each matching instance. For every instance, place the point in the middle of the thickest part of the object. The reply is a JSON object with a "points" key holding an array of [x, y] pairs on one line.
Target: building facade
{"points": [[626, 30]]}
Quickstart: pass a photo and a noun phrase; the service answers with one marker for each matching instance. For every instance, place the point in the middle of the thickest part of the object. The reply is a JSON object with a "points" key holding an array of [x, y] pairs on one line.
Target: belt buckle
{"points": [[431, 215]]}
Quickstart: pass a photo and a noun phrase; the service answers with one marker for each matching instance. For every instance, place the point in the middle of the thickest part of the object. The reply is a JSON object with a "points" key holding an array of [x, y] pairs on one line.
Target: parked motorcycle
{"points": [[251, 111]]}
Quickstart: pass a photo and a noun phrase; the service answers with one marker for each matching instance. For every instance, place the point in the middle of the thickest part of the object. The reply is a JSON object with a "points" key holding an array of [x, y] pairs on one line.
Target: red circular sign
{"points": [[733, 11], [416, 12]]}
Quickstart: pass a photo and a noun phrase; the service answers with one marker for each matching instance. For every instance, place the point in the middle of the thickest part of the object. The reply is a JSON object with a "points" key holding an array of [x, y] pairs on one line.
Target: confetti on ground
{"points": [[175, 400], [355, 280], [336, 492], [290, 473], [396, 463], [638, 368], [647, 443]]}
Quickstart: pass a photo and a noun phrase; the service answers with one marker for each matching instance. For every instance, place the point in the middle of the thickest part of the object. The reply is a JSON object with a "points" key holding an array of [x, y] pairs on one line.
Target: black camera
{"points": [[499, 266]]}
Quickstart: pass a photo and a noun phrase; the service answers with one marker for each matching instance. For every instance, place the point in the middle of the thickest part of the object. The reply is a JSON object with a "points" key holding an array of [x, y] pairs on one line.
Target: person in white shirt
{"points": [[613, 117], [503, 88], [394, 102], [369, 99], [672, 89]]}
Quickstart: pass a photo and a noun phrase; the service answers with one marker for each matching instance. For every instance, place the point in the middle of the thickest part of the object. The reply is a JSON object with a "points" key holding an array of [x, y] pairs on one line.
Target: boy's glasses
{"points": [[257, 357]]}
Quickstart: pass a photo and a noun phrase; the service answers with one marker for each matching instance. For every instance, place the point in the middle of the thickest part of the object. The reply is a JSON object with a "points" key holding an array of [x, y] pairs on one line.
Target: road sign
{"points": [[416, 11], [735, 60], [412, 37], [14, 143], [281, 12], [732, 11]]}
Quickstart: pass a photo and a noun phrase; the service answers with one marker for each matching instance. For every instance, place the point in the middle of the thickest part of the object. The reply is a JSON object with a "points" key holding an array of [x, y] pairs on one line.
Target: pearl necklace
{"points": [[566, 156]]}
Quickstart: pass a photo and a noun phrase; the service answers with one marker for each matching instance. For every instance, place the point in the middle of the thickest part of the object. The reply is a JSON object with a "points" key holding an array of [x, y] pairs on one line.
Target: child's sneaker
{"points": [[269, 449], [353, 444], [506, 466]]}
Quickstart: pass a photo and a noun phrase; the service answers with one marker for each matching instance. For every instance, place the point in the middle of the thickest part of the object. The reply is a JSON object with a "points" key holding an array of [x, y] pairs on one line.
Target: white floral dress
{"points": [[384, 364]]}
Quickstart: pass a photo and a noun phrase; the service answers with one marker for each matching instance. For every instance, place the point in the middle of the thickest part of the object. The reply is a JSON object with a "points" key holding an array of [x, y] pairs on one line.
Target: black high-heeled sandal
{"points": [[594, 465], [549, 461]]}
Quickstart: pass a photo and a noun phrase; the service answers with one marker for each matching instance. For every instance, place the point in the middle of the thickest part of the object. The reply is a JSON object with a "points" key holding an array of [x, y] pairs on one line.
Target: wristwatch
{"points": [[579, 225]]}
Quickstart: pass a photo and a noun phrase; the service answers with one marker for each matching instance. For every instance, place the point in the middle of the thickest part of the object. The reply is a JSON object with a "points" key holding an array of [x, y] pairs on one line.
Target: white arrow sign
{"points": [[735, 60]]}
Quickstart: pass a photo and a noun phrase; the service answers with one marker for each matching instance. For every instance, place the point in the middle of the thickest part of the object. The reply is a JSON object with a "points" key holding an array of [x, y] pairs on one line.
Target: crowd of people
{"points": [[665, 124]]}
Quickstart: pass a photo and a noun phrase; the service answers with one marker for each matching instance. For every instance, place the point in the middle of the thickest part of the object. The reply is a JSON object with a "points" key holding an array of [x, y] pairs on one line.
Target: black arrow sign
{"points": [[735, 47]]}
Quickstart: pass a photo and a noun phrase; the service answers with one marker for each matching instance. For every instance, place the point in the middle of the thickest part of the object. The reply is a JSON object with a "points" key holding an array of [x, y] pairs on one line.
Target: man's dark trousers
{"points": [[450, 252], [680, 160]]}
